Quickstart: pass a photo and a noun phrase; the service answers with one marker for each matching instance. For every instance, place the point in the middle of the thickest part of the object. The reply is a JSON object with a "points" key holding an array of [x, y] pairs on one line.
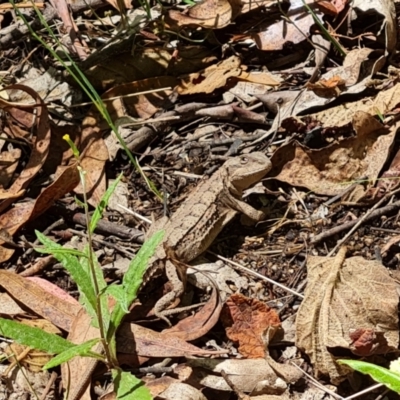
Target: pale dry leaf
{"points": [[182, 391], [356, 71], [250, 376], [343, 296], [9, 307], [389, 180], [221, 273], [119, 197]]}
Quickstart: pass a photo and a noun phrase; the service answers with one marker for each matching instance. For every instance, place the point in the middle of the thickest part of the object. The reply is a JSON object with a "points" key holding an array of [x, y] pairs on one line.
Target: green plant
{"points": [[84, 269], [388, 377]]}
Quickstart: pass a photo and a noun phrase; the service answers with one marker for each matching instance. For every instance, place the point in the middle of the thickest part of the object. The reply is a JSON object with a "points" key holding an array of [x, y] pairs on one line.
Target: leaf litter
{"points": [[215, 79]]}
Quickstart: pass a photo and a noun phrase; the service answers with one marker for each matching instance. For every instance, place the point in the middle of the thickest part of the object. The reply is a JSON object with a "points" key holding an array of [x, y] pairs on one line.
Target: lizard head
{"points": [[244, 171]]}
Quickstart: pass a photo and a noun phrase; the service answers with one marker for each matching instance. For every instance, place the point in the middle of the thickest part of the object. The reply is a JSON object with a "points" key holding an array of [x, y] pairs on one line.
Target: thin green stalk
{"points": [[326, 33], [99, 311]]}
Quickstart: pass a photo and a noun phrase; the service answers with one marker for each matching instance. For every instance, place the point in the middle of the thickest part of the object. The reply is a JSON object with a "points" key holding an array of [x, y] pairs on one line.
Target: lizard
{"points": [[201, 217], [194, 226]]}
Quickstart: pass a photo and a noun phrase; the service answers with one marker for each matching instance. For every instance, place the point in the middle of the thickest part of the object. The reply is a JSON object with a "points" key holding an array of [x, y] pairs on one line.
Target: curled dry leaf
{"points": [[251, 323], [24, 118], [349, 304], [139, 341], [197, 325]]}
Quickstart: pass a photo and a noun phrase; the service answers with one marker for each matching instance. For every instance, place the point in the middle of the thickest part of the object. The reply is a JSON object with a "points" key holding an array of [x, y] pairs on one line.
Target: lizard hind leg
{"points": [[173, 297]]}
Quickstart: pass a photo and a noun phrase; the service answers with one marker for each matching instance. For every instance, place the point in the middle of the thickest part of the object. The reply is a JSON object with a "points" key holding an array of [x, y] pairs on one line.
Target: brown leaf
{"points": [[139, 106], [247, 321], [137, 340], [94, 155], [211, 78], [350, 304], [199, 324], [16, 217], [73, 372], [9, 163], [40, 142], [42, 302]]}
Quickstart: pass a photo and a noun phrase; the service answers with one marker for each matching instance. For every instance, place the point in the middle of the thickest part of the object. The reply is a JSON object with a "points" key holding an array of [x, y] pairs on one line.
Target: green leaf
{"points": [[34, 337], [133, 278], [128, 387], [83, 350], [378, 374], [73, 266], [98, 212]]}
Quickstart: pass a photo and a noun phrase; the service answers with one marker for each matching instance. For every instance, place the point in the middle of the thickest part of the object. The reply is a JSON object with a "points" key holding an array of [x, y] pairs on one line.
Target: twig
{"points": [[251, 272], [367, 217]]}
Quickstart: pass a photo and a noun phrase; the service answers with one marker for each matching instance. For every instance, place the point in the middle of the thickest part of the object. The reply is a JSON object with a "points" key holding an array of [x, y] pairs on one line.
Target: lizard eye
{"points": [[244, 160]]}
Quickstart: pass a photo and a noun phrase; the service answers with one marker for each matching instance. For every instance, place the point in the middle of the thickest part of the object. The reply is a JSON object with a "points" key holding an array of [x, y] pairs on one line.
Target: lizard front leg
{"points": [[243, 208]]}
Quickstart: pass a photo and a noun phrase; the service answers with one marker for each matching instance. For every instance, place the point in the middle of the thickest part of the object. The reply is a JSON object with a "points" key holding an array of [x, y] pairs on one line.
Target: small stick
{"points": [[348, 225]]}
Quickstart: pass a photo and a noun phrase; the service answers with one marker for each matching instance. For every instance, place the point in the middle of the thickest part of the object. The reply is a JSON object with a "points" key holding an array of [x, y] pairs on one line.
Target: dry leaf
{"points": [[253, 376], [34, 117], [197, 325], [210, 14], [331, 169], [211, 78], [139, 341], [248, 321], [42, 302], [147, 63], [16, 217], [349, 304], [73, 372], [276, 36]]}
